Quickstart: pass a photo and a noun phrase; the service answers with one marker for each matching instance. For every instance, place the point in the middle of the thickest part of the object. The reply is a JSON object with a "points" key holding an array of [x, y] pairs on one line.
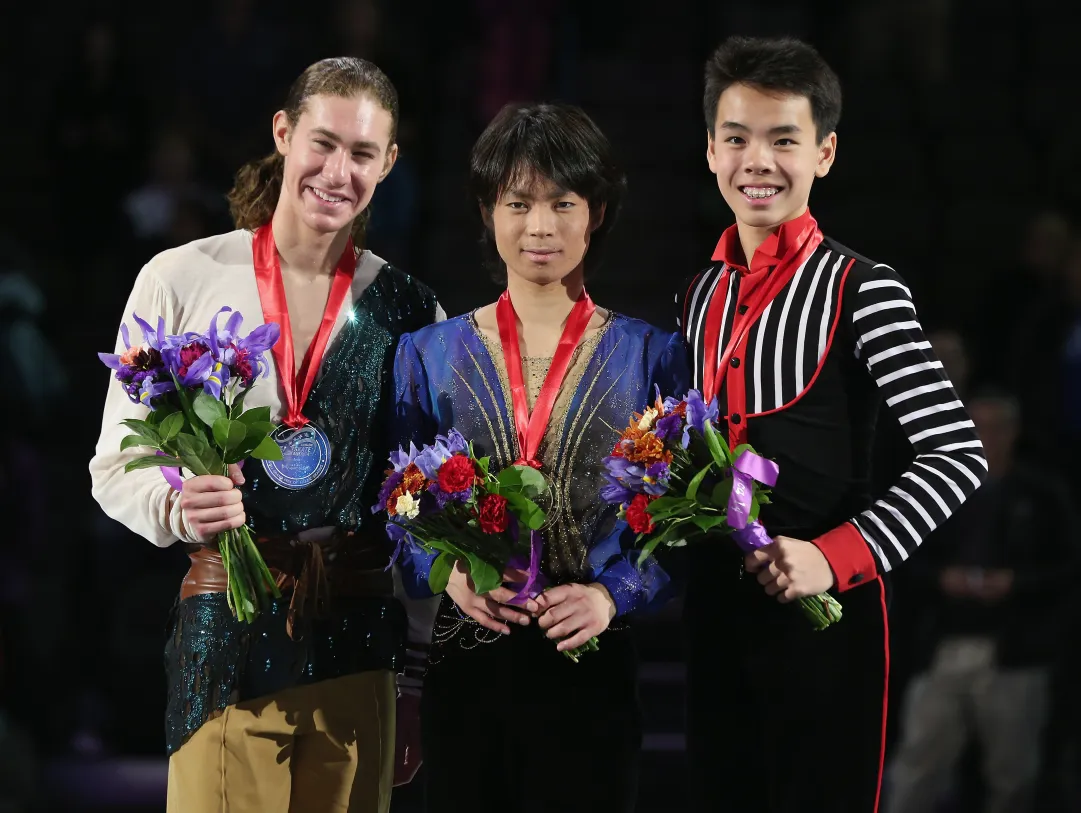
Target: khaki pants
{"points": [[966, 694], [319, 748]]}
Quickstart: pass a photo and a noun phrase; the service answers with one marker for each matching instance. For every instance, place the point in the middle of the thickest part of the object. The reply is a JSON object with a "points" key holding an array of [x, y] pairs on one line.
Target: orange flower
{"points": [[648, 449], [412, 479]]}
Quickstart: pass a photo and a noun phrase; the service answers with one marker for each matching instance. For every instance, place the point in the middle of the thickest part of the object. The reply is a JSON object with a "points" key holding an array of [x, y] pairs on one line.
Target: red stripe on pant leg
{"points": [[885, 688]]}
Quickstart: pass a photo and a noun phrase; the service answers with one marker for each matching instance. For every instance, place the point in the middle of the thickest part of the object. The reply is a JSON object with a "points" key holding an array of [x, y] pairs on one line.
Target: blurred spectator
{"points": [[1020, 291], [172, 206], [232, 76], [994, 580], [96, 121], [518, 45], [1043, 364]]}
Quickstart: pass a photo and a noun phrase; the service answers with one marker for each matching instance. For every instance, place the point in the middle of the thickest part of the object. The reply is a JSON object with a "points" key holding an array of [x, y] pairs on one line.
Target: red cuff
{"points": [[848, 555]]}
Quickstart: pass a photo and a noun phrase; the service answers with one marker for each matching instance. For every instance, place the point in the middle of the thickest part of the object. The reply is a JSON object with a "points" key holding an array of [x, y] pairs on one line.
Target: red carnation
{"points": [[189, 354], [637, 515], [493, 514], [457, 474]]}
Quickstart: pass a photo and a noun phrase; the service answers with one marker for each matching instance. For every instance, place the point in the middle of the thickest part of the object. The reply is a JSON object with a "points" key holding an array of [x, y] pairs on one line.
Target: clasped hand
{"points": [[574, 612]]}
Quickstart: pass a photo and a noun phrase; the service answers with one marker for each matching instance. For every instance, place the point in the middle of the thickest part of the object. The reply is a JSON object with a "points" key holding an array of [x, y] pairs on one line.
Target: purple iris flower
{"points": [[154, 338], [624, 479], [243, 356], [431, 458], [655, 481], [151, 389], [613, 491], [667, 426], [205, 371], [454, 441], [402, 458], [670, 403], [698, 412]]}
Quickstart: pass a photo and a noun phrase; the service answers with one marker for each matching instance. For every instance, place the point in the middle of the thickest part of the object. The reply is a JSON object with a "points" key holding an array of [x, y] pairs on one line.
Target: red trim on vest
{"points": [[885, 690], [825, 353]]}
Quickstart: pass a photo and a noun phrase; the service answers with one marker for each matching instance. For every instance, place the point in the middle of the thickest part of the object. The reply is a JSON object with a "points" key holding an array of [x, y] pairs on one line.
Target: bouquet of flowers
{"points": [[446, 500], [676, 480], [194, 386]]}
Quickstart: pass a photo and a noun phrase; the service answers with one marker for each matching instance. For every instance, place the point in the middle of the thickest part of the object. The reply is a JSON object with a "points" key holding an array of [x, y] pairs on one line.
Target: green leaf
{"points": [[743, 447], [229, 434], [209, 409], [527, 511], [665, 503], [524, 480], [256, 414], [696, 481], [755, 508], [706, 522], [439, 575], [238, 432], [485, 576], [267, 450], [669, 533], [143, 429], [149, 462], [191, 449], [256, 433], [184, 397], [484, 464], [237, 407], [721, 492], [135, 440], [685, 511], [718, 448], [259, 429], [170, 427]]}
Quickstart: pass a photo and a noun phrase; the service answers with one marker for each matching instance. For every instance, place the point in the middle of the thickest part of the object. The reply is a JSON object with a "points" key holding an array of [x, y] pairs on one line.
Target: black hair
{"points": [[778, 65], [559, 142]]}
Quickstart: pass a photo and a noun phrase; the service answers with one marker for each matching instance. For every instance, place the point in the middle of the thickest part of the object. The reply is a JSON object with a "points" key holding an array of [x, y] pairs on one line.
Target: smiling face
{"points": [[766, 154], [335, 155], [541, 231]]}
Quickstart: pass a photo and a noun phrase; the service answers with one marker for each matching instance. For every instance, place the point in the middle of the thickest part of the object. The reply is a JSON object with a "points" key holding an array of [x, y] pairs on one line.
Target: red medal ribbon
{"points": [[297, 384], [531, 427], [714, 375]]}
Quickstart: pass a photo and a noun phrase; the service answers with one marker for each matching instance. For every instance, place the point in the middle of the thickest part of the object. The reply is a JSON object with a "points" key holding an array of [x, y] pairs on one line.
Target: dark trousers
{"points": [[515, 726], [783, 719]]}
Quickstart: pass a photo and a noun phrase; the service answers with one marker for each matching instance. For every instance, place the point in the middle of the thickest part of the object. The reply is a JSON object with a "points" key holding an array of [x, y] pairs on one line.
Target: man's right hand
{"points": [[486, 610], [212, 504]]}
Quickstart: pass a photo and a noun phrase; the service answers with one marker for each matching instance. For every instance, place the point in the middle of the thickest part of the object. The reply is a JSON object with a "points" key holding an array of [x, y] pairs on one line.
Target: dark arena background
{"points": [[958, 164]]}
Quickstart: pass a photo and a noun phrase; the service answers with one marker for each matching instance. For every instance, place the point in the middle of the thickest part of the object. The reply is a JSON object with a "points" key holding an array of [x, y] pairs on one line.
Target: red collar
{"points": [[789, 236]]}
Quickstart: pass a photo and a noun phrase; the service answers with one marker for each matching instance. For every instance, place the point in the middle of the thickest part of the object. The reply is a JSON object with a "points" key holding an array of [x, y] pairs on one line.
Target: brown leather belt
{"points": [[344, 565]]}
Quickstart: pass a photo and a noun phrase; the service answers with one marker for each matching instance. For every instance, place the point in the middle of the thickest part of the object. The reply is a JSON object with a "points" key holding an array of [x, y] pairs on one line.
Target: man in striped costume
{"points": [[801, 340]]}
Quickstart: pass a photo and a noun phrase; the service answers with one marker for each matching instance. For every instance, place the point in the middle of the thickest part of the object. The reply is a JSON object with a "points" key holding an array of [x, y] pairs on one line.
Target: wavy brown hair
{"points": [[258, 184]]}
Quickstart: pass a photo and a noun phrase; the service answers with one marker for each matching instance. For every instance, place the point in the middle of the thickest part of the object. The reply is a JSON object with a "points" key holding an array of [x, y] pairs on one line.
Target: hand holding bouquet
{"points": [[445, 500], [194, 386], [676, 480]]}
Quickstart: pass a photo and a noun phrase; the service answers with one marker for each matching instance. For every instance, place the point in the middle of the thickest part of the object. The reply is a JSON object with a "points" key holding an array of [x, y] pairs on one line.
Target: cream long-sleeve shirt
{"points": [[187, 286]]}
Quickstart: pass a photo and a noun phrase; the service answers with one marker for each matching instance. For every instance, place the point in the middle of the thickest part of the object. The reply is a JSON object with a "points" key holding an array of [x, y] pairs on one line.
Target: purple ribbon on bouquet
{"points": [[535, 581], [172, 473], [749, 534]]}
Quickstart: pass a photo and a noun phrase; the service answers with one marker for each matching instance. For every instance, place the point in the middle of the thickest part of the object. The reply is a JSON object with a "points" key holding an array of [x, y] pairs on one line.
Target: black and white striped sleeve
{"points": [[949, 463]]}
